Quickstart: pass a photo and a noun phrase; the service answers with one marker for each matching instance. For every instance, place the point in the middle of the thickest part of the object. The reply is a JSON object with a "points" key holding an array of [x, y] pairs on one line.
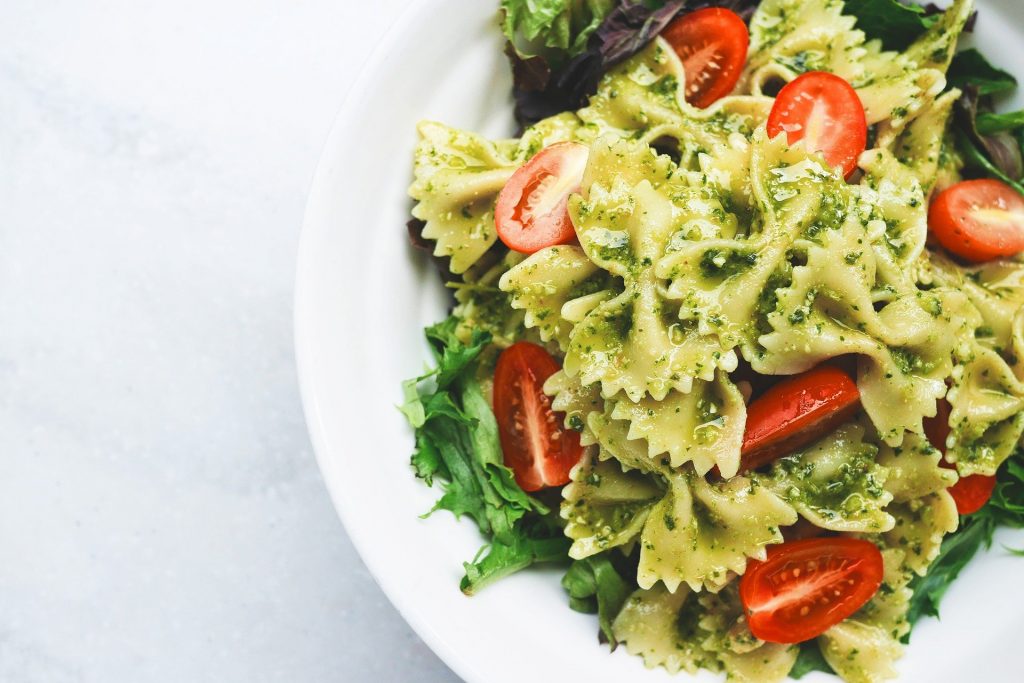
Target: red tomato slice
{"points": [[796, 412], [535, 444], [969, 493], [532, 210], [826, 113], [805, 587], [979, 220], [712, 45]]}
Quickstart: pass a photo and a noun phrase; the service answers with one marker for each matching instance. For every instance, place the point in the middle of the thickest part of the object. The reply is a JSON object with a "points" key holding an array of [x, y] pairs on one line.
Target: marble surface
{"points": [[161, 514]]}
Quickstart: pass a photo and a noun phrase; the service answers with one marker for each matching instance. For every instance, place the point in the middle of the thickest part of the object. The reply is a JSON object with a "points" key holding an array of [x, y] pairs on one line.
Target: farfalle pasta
{"points": [[737, 334]]}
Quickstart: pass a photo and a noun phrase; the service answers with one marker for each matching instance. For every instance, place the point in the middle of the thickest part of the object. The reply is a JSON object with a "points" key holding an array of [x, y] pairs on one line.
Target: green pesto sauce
{"points": [[768, 300], [611, 519], [595, 283], [710, 420], [611, 328], [804, 61], [720, 263], [831, 216], [909, 362], [846, 492], [489, 308], [688, 623]]}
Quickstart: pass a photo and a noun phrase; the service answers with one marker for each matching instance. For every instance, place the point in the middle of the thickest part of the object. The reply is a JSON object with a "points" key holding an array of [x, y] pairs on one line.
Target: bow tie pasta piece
{"points": [[702, 533], [744, 657], [704, 426], [996, 290], [605, 507], [861, 653], [902, 92], [457, 178], [697, 533], [548, 280], [987, 396], [662, 628], [836, 483], [576, 401], [635, 342], [904, 349], [988, 413], [791, 37], [724, 263], [914, 469], [898, 89], [834, 305], [935, 49], [643, 99], [864, 648], [920, 526], [922, 149], [683, 631], [898, 179]]}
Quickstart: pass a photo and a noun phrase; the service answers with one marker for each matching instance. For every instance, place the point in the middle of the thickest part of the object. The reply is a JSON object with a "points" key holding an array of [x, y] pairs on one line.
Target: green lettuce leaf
{"points": [[996, 155], [557, 28], [969, 67], [596, 587], [990, 124], [457, 443], [457, 437], [957, 550], [809, 659], [452, 356], [895, 24], [532, 540]]}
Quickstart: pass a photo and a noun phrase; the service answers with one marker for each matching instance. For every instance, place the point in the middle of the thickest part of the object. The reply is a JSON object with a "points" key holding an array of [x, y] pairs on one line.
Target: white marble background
{"points": [[161, 514]]}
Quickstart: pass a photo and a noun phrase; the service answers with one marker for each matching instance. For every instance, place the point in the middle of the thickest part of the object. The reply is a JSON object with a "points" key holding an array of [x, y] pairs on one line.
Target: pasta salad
{"points": [[737, 326]]}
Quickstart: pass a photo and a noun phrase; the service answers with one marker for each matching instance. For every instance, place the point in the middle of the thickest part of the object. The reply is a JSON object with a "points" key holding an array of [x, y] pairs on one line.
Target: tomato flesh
{"points": [[969, 493], [978, 220], [972, 492], [712, 44], [532, 211], [805, 587], [825, 112], [535, 444], [796, 412]]}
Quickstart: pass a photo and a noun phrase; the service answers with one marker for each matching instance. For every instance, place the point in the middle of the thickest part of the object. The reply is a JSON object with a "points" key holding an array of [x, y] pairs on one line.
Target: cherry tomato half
{"points": [[826, 113], [969, 493], [712, 44], [536, 446], [972, 492], [796, 412], [979, 220], [805, 587], [532, 210]]}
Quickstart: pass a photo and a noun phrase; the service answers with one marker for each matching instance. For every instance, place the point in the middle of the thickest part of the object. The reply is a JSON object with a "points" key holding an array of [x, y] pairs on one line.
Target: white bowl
{"points": [[363, 296]]}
